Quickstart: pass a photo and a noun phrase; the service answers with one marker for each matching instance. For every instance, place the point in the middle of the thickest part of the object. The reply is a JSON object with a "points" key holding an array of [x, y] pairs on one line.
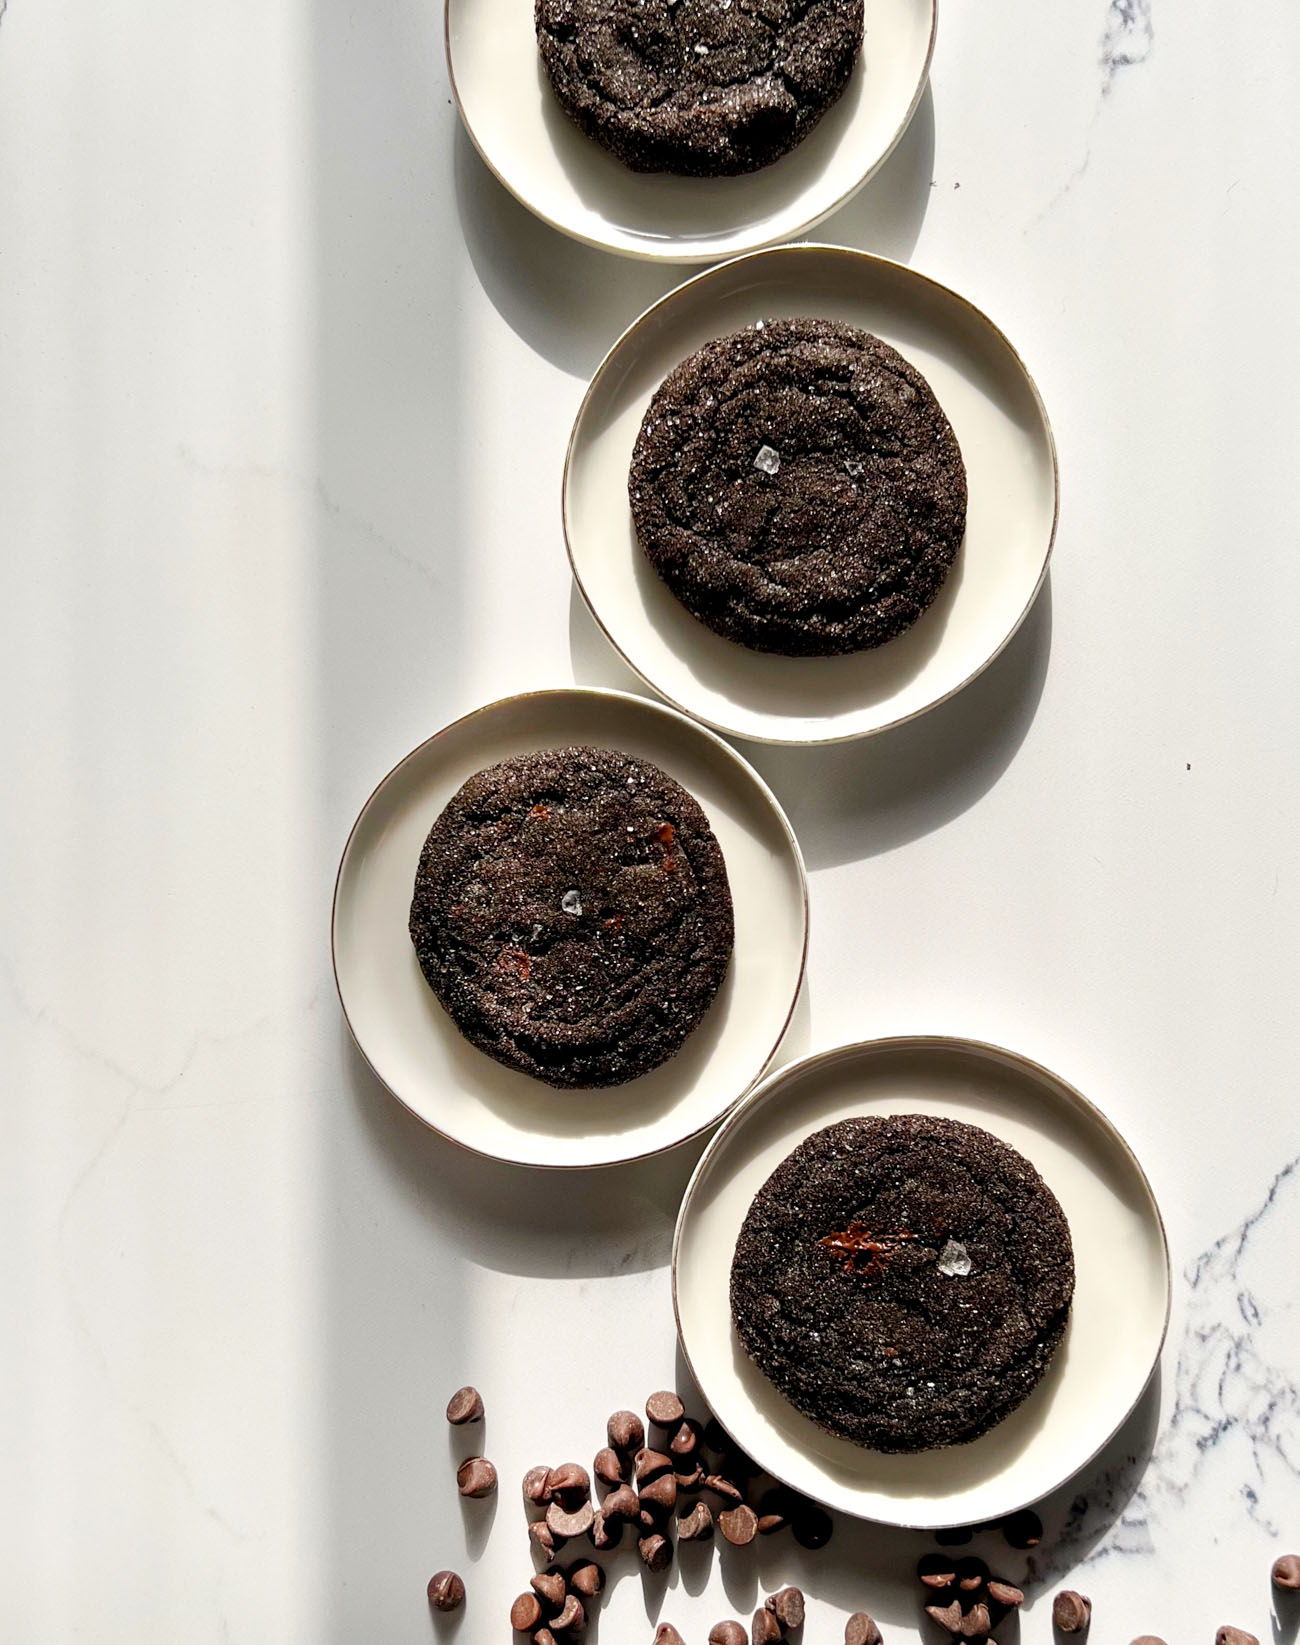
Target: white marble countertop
{"points": [[286, 382]]}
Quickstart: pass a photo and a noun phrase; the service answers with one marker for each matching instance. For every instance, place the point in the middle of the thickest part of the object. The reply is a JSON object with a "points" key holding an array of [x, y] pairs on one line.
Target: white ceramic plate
{"points": [[1121, 1299], [1010, 457], [409, 1040], [515, 122]]}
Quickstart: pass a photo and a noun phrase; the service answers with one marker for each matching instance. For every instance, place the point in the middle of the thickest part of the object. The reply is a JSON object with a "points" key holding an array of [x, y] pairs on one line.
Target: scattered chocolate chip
{"points": [[773, 1511], [587, 1579], [685, 1442], [770, 1524], [606, 1531], [1234, 1636], [566, 1522], [570, 1483], [1072, 1612], [976, 1622], [1023, 1529], [936, 1570], [861, 1630], [525, 1613], [476, 1477], [650, 1464], [465, 1405], [664, 1409], [813, 1527], [544, 1636], [954, 1536], [728, 1633], [572, 1618], [697, 1526], [550, 1586], [947, 1616], [1004, 1593], [536, 1489], [609, 1468], [446, 1591], [723, 1488], [1148, 1639], [648, 1521], [689, 1476], [666, 1634], [765, 1629], [625, 1431], [971, 1574], [656, 1552], [739, 1525], [621, 1504], [1286, 1572], [660, 1495], [786, 1605], [542, 1538]]}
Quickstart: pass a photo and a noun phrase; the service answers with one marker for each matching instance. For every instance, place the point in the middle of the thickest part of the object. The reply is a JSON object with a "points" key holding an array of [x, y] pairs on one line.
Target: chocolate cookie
{"points": [[572, 913], [903, 1281], [799, 488], [704, 88]]}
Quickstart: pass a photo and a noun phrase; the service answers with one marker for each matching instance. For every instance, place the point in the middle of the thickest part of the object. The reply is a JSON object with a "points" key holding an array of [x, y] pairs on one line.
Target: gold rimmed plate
{"points": [[412, 1044], [1006, 442], [569, 181], [1122, 1286]]}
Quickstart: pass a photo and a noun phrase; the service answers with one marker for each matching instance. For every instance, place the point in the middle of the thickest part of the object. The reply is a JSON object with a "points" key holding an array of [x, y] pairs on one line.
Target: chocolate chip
{"points": [[728, 1633], [621, 1504], [1234, 1636], [536, 1489], [1071, 1613], [723, 1488], [971, 1574], [685, 1442], [739, 1525], [861, 1630], [770, 1524], [476, 1477], [697, 1526], [1286, 1573], [947, 1616], [765, 1629], [649, 1464], [587, 1579], [570, 1483], [1023, 1529], [976, 1623], [572, 1618], [609, 1468], [606, 1531], [542, 1538], [774, 1511], [1005, 1593], [544, 1636], [813, 1527], [666, 1634], [786, 1605], [1148, 1639], [566, 1522], [936, 1570], [446, 1591], [648, 1521], [656, 1551], [550, 1586], [664, 1409], [525, 1613], [689, 1476], [954, 1536], [465, 1405], [625, 1431], [660, 1495]]}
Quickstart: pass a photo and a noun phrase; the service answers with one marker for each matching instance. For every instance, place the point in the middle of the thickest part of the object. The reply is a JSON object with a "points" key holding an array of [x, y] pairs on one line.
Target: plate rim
{"points": [[933, 1042], [693, 725], [817, 248], [674, 252]]}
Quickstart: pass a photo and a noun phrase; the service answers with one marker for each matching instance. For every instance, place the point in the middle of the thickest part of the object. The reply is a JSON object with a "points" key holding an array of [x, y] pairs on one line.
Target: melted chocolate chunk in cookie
{"points": [[572, 914]]}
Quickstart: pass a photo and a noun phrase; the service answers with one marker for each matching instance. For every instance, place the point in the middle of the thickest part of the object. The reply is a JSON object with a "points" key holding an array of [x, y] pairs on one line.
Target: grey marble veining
{"points": [[1127, 40]]}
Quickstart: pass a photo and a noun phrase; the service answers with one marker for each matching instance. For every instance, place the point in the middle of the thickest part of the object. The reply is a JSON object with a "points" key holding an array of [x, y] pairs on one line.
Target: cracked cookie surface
{"points": [[572, 914], [698, 87], [904, 1281], [799, 488]]}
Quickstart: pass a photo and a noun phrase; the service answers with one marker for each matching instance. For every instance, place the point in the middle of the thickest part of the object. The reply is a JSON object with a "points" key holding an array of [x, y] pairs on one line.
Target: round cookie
{"points": [[572, 914], [704, 88], [903, 1281], [799, 489]]}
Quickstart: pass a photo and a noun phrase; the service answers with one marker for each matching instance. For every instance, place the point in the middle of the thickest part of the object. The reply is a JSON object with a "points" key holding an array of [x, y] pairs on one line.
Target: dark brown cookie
{"points": [[904, 1281], [572, 913], [703, 88], [799, 488]]}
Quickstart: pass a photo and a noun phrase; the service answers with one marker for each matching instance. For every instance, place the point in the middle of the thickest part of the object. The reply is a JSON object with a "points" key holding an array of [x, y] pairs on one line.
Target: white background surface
{"points": [[286, 383]]}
